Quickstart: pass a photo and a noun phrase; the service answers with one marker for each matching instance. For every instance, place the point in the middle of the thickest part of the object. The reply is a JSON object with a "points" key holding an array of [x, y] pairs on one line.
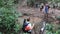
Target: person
{"points": [[48, 6], [41, 8], [46, 9], [46, 12], [53, 6], [27, 26]]}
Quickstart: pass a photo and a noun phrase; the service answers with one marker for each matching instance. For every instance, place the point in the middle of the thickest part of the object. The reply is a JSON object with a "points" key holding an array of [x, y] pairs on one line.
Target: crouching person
{"points": [[27, 26]]}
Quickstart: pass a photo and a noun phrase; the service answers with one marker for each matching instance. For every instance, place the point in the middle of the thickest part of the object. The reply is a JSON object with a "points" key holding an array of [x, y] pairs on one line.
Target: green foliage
{"points": [[8, 17], [48, 32], [58, 32], [6, 3], [58, 17], [49, 27], [16, 1], [56, 1], [52, 29], [17, 27], [1, 33], [30, 2], [43, 1]]}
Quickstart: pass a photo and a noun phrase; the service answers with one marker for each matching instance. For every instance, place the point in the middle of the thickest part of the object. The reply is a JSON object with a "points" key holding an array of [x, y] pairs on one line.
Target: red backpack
{"points": [[27, 28]]}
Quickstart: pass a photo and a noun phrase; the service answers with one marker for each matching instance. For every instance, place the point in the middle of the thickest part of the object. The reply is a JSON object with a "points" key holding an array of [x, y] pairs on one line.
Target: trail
{"points": [[36, 15]]}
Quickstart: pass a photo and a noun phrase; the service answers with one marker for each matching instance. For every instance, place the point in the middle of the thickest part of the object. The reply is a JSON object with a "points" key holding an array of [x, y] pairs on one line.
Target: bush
{"points": [[8, 17], [48, 32], [49, 27], [17, 28], [30, 3], [1, 33], [58, 32], [58, 17], [52, 29]]}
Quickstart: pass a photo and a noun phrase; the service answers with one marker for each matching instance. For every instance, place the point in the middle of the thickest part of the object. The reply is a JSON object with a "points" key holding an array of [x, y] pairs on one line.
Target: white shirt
{"points": [[29, 24]]}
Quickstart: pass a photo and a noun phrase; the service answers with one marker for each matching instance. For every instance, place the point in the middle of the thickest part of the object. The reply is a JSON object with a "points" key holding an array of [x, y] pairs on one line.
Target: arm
{"points": [[32, 26]]}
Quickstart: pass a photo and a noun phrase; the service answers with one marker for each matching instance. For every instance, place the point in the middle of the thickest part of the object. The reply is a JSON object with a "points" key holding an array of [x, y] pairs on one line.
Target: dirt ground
{"points": [[35, 13], [36, 16]]}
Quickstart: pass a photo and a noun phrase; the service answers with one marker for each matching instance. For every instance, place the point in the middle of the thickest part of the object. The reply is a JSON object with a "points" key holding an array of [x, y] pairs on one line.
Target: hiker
{"points": [[41, 7], [47, 8], [53, 6], [27, 26]]}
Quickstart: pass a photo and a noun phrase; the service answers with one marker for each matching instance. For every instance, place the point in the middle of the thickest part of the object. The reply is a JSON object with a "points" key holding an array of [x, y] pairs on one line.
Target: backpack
{"points": [[24, 25], [28, 27]]}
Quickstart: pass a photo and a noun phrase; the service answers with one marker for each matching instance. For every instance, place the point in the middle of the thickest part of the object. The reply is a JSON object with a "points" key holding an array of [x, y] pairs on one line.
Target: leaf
{"points": [[58, 32], [0, 32], [48, 32]]}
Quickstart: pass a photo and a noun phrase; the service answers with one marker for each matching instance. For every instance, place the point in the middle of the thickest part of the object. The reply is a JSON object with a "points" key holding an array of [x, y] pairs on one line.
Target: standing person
{"points": [[53, 6], [41, 6], [46, 11], [28, 26]]}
